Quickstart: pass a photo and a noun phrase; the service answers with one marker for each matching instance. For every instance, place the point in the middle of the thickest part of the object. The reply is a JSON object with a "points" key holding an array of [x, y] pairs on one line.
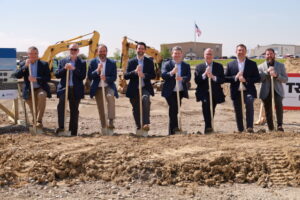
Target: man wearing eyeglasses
{"points": [[77, 74]]}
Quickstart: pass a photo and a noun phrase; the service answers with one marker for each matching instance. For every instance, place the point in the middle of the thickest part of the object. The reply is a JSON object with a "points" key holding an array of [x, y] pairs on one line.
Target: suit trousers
{"points": [[40, 96], [269, 113], [135, 102], [173, 111], [74, 112], [110, 101], [249, 100], [206, 111]]}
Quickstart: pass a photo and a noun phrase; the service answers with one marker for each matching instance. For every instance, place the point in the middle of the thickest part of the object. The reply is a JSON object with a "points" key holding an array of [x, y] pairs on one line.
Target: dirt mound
{"points": [[292, 65], [178, 160]]}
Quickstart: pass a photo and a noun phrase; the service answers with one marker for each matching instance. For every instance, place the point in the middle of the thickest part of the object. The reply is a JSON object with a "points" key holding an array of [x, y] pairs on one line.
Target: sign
{"points": [[291, 100], [8, 65]]}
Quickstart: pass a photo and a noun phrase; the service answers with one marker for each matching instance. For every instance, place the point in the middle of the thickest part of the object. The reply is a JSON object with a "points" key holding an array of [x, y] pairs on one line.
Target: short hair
{"points": [[270, 49], [33, 48], [177, 48], [208, 49], [73, 44], [102, 45], [241, 45], [141, 43]]}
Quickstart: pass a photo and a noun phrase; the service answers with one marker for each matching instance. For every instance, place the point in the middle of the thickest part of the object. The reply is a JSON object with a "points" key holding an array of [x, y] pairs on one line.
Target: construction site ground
{"points": [[222, 165]]}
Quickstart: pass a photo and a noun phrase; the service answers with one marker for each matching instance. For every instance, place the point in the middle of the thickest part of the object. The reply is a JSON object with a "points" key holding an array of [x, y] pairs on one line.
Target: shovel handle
{"points": [[178, 102], [66, 97], [211, 103], [273, 101], [141, 105], [32, 98]]}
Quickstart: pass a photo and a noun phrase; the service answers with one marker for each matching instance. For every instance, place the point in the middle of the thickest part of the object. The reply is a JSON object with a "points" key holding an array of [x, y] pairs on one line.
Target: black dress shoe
{"points": [[250, 130], [279, 128], [208, 130]]}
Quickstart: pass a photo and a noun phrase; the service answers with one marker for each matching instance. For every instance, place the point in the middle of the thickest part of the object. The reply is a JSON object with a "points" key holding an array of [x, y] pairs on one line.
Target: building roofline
{"points": [[191, 42]]}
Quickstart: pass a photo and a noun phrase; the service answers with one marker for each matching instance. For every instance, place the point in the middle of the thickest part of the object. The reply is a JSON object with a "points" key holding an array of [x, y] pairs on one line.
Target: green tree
{"points": [[117, 55], [165, 53], [131, 53]]}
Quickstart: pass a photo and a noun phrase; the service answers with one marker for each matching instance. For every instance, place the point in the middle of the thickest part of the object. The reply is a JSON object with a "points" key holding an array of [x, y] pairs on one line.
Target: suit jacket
{"points": [[148, 70], [266, 79], [79, 74], [110, 74], [170, 81], [43, 77], [251, 75], [202, 84]]}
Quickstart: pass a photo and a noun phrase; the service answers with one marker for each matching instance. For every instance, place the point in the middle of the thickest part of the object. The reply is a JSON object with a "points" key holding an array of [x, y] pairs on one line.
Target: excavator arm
{"points": [[125, 57], [62, 46]]}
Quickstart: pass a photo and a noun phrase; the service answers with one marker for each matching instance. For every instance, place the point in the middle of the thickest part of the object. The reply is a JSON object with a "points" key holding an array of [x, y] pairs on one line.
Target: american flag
{"points": [[197, 30]]}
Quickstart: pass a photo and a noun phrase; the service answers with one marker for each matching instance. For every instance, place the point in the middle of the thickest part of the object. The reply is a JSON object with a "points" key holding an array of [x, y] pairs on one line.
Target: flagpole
{"points": [[194, 37]]}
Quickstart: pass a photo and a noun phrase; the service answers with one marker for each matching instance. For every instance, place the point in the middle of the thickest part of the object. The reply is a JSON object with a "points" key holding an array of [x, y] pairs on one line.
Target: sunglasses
{"points": [[73, 49]]}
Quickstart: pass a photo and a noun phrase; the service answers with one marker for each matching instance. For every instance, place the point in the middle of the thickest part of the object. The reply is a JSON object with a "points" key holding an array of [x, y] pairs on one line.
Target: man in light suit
{"points": [[245, 71], [40, 77], [103, 68], [77, 69], [277, 70], [215, 71], [168, 73], [142, 67]]}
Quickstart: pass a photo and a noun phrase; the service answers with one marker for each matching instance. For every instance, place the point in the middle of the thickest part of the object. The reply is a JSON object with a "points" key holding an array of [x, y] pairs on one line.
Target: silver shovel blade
{"points": [[64, 133], [141, 133]]}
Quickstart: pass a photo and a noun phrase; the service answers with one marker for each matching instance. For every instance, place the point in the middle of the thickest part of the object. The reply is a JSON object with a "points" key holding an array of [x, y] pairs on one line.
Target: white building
{"points": [[280, 50]]}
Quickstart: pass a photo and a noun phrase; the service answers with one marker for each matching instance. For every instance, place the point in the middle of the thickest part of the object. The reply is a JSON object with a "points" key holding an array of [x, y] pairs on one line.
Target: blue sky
{"points": [[41, 23]]}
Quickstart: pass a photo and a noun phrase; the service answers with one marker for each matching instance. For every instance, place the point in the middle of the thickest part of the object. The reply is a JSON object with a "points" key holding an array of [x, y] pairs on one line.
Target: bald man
{"points": [[204, 71], [77, 74]]}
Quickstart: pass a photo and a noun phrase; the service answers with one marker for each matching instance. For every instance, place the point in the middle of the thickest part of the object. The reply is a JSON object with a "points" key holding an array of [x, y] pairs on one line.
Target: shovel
{"points": [[179, 131], [273, 102], [211, 104], [65, 132], [23, 106], [242, 102], [141, 131], [105, 130], [33, 130]]}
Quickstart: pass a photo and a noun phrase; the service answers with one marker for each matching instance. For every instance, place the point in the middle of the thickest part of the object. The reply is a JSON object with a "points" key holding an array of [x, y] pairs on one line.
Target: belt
{"points": [[36, 88]]}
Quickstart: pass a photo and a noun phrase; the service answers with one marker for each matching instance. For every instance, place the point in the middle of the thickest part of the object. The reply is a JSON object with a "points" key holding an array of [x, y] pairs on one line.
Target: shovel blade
{"points": [[141, 133], [64, 133], [107, 131], [33, 130]]}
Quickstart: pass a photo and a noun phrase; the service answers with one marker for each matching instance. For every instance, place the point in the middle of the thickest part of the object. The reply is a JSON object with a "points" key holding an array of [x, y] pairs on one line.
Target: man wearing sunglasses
{"points": [[77, 74]]}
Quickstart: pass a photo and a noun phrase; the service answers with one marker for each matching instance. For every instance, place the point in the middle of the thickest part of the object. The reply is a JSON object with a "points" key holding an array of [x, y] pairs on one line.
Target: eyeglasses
{"points": [[73, 49]]}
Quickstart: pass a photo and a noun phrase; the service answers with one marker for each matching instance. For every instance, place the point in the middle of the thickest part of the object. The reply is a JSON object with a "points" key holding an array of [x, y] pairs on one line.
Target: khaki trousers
{"points": [[40, 96], [110, 101]]}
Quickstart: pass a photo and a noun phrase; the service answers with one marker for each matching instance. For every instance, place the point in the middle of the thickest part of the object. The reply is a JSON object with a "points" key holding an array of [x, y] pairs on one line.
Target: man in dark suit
{"points": [[143, 67], [40, 77], [103, 68], [215, 72], [168, 73], [77, 69], [272, 68], [245, 71]]}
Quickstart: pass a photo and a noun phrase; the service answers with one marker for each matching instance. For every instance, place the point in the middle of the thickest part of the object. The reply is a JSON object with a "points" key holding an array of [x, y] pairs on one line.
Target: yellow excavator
{"points": [[61, 46], [151, 52], [53, 50]]}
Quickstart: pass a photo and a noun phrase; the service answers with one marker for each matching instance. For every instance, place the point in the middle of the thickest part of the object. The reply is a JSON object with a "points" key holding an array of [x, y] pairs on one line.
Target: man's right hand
{"points": [[174, 70], [27, 62], [99, 68]]}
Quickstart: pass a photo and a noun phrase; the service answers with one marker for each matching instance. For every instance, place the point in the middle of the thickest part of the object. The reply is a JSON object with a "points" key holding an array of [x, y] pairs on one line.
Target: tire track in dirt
{"points": [[278, 163]]}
